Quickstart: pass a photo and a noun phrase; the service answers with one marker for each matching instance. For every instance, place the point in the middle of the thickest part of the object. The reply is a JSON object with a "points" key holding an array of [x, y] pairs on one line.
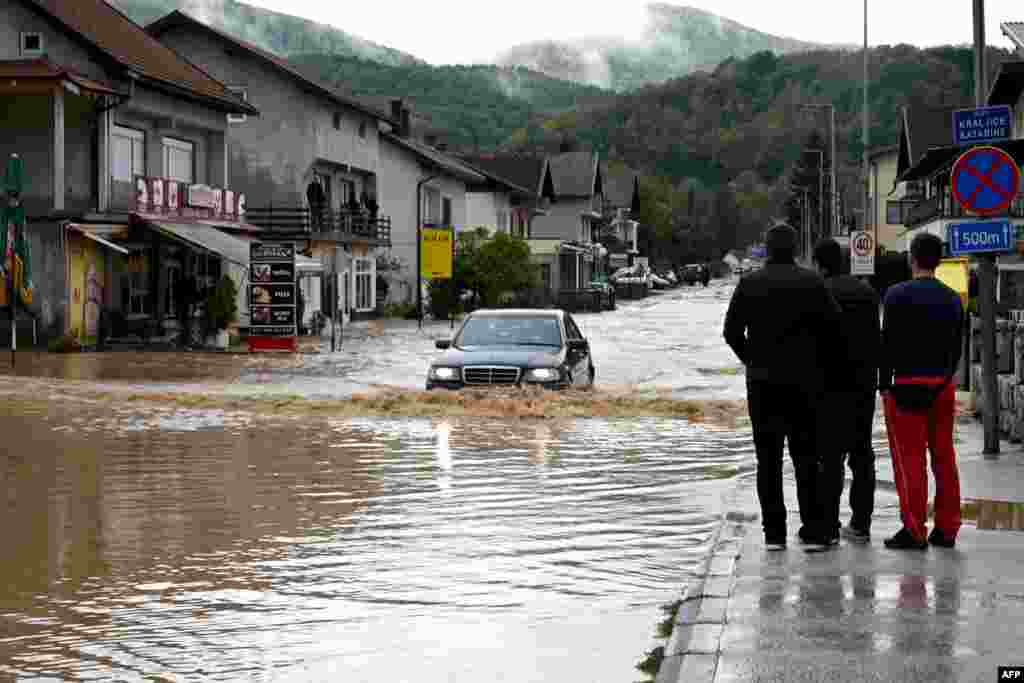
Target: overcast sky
{"points": [[464, 31]]}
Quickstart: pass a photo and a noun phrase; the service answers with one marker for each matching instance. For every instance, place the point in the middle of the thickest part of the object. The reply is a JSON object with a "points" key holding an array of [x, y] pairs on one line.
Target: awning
{"points": [[304, 264], [206, 238], [937, 158], [543, 247], [84, 230]]}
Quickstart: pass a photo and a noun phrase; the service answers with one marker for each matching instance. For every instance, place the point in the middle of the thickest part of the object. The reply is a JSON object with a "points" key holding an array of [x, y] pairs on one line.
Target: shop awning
{"points": [[544, 247], [206, 238], [84, 230], [304, 264]]}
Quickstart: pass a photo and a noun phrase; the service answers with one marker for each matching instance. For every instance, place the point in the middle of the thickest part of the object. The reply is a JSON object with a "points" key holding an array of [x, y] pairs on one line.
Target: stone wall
{"points": [[1010, 366]]}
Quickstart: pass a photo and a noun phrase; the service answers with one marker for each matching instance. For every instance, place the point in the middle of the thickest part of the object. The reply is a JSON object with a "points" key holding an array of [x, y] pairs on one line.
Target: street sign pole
{"points": [[986, 271]]}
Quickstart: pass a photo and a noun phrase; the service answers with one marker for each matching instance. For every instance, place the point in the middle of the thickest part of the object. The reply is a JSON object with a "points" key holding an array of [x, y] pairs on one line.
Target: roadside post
{"points": [[862, 253], [12, 240], [437, 256], [985, 181]]}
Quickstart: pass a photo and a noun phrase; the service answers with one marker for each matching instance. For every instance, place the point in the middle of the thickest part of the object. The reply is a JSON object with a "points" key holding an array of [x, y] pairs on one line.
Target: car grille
{"points": [[490, 375]]}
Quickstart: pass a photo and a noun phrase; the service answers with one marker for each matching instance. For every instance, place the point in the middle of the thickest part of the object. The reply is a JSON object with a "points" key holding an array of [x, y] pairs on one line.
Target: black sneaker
{"points": [[855, 535], [904, 540], [940, 539], [820, 544]]}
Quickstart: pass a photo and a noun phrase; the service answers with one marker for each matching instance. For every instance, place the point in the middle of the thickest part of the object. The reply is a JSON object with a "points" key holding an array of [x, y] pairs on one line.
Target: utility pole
{"points": [[865, 177], [834, 194], [986, 271]]}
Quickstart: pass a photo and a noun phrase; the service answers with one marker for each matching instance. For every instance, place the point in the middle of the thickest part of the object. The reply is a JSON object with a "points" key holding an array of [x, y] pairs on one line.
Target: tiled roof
{"points": [[179, 18], [126, 43], [523, 172], [437, 158], [619, 186], [43, 68], [575, 174]]}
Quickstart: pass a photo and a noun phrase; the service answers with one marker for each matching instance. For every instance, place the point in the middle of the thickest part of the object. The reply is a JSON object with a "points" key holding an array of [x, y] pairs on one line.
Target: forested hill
{"points": [[471, 107]]}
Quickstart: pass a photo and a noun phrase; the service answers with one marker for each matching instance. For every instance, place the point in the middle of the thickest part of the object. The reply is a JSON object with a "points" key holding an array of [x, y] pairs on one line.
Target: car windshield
{"points": [[511, 331]]}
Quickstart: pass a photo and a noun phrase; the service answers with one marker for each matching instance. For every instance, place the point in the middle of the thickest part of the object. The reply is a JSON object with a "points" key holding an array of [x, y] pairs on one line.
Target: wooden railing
{"points": [[326, 224]]}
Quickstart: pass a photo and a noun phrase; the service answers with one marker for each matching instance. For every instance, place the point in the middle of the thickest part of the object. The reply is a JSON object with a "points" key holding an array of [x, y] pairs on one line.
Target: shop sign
{"points": [[436, 253], [272, 297]]}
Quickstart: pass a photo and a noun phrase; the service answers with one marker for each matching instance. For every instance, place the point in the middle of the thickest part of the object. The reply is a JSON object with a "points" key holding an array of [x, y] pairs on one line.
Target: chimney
{"points": [[405, 130]]}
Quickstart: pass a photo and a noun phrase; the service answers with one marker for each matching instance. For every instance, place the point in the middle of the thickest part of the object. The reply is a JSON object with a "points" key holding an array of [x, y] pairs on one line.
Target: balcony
{"points": [[331, 226], [944, 206]]}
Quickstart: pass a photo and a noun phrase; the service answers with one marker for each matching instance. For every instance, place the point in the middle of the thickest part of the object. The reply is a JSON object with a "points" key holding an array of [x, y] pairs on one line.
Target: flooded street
{"points": [[158, 542]]}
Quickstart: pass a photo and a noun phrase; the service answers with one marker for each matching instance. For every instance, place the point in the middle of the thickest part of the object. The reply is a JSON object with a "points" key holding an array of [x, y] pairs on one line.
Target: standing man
{"points": [[921, 346], [850, 405], [781, 322]]}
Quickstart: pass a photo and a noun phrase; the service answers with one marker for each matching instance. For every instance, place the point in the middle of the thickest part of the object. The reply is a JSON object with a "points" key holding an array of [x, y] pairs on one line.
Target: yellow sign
{"points": [[436, 253], [953, 272]]}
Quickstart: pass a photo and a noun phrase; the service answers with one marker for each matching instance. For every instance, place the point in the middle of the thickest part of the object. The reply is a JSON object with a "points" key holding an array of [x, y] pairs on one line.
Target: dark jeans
{"points": [[783, 413], [848, 424]]}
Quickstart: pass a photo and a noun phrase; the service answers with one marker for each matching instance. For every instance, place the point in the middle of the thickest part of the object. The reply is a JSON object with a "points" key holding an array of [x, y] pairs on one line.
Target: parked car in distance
{"points": [[692, 273], [514, 347]]}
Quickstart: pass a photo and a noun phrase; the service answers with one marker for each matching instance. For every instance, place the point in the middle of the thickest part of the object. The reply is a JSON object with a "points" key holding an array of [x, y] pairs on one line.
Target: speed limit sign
{"points": [[862, 253]]}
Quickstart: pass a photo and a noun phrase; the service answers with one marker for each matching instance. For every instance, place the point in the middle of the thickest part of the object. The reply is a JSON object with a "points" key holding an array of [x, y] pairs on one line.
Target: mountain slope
{"points": [[471, 107], [280, 33], [675, 42]]}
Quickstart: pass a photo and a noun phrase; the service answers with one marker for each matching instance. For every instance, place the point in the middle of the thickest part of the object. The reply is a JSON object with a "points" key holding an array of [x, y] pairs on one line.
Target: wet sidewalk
{"points": [[863, 612]]}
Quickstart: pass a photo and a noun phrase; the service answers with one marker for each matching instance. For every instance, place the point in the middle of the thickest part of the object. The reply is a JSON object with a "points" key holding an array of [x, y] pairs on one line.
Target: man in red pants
{"points": [[921, 343]]}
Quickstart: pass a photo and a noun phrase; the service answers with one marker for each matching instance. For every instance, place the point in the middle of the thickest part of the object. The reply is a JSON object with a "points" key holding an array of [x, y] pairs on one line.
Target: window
{"points": [[502, 220], [364, 284], [179, 160], [431, 206], [32, 45], [446, 212], [243, 94], [896, 211], [362, 129], [571, 329], [135, 284], [174, 280], [129, 154], [337, 121]]}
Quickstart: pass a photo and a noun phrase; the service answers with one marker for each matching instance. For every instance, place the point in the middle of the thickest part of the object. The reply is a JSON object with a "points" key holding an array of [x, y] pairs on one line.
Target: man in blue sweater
{"points": [[921, 345]]}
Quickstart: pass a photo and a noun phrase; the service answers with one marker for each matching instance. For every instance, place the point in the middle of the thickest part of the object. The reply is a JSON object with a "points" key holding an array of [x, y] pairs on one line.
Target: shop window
{"points": [[129, 154], [179, 160], [364, 284]]}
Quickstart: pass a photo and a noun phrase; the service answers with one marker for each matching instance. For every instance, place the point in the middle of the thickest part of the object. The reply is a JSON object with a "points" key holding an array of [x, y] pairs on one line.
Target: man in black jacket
{"points": [[852, 384], [781, 323]]}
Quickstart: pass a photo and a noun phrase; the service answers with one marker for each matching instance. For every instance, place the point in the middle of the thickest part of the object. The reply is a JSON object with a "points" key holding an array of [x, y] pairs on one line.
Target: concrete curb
{"points": [[692, 651]]}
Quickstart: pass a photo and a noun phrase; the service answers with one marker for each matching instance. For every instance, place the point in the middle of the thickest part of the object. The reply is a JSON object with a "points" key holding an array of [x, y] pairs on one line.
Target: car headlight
{"points": [[543, 375], [446, 374]]}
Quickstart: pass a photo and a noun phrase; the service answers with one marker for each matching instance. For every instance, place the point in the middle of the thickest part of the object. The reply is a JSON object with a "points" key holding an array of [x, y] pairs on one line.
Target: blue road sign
{"points": [[978, 237], [982, 125], [985, 180]]}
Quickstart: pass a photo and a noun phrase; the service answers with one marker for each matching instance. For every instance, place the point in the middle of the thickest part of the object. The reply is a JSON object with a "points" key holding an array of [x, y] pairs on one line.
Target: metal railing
{"points": [[327, 224]]}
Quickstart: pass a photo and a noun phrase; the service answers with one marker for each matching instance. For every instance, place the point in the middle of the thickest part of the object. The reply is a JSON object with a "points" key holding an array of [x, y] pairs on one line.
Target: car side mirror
{"points": [[578, 345], [443, 343]]}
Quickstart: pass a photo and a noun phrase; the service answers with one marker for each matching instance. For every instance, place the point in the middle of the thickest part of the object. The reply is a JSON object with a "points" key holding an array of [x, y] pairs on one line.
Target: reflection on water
{"points": [[227, 546]]}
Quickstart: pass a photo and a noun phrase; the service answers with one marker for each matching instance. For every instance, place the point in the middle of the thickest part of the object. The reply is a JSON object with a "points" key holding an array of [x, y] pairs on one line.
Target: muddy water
{"points": [[669, 344], [179, 544]]}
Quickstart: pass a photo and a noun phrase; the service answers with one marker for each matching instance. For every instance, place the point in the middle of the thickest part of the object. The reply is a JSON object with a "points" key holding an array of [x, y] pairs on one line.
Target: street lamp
{"points": [[832, 128]]}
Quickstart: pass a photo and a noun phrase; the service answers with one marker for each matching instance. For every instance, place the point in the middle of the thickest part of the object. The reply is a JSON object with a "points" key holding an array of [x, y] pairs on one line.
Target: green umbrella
{"points": [[14, 244]]}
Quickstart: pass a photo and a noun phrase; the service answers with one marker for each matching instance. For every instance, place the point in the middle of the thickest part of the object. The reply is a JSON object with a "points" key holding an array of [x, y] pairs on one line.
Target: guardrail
{"points": [[325, 224]]}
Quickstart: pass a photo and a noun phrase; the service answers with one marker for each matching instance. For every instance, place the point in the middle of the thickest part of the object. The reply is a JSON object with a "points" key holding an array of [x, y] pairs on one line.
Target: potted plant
{"points": [[220, 311]]}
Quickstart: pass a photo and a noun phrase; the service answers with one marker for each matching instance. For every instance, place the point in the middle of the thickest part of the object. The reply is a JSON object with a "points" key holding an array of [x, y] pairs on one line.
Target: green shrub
{"points": [[404, 311], [221, 307]]}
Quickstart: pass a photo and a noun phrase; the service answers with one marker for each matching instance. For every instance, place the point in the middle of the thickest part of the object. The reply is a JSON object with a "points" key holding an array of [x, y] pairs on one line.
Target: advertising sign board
{"points": [[862, 253], [272, 297]]}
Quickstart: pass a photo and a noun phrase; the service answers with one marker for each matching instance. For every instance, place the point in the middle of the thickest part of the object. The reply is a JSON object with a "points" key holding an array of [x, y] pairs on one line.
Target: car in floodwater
{"points": [[514, 347]]}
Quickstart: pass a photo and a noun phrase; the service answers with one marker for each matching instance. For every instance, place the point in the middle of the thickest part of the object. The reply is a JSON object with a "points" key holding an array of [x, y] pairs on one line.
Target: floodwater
{"points": [[669, 344], [150, 541], [186, 545]]}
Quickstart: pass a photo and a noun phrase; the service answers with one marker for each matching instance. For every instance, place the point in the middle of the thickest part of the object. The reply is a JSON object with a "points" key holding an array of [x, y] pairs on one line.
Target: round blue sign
{"points": [[985, 180]]}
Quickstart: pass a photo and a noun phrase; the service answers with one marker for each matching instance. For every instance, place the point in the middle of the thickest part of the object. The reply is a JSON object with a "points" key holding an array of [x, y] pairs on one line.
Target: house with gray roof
{"points": [[564, 241], [519, 189], [621, 207]]}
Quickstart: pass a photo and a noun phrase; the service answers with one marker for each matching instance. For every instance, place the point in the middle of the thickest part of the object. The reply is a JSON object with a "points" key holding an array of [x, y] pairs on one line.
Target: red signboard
{"points": [[160, 196], [985, 181]]}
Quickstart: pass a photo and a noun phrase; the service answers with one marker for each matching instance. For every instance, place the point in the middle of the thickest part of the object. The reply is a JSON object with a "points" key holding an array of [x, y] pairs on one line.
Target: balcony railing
{"points": [[342, 225], [944, 206]]}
